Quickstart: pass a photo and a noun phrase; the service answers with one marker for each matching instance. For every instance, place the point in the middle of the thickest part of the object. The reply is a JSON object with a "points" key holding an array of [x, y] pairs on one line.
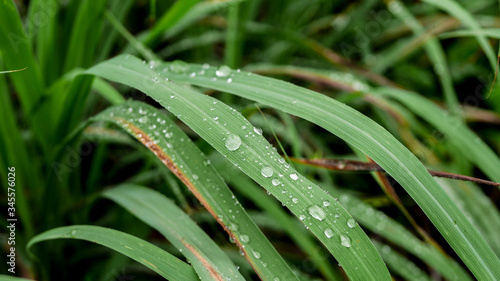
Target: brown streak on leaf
{"points": [[165, 159]]}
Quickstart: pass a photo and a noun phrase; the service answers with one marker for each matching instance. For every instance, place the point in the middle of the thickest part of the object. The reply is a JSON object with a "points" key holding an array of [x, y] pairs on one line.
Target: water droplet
{"points": [[275, 182], [258, 131], [233, 227], [345, 241], [229, 80], [267, 171], [192, 75], [233, 142], [244, 238], [351, 223], [195, 176], [294, 176], [256, 254], [316, 212], [179, 66], [326, 203], [328, 232], [295, 200], [223, 71], [143, 119], [73, 232]]}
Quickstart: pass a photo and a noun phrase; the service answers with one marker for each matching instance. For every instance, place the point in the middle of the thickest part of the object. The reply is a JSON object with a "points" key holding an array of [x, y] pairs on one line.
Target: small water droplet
{"points": [[233, 142], [316, 212], [179, 66], [143, 119], [256, 254], [267, 171], [73, 232], [229, 80], [223, 71], [351, 223], [294, 176], [328, 232], [326, 203], [258, 131], [295, 200], [275, 182], [195, 176]]}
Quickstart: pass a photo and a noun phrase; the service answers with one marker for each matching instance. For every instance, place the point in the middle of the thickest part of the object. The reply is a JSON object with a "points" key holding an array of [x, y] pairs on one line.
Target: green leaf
{"points": [[489, 32], [232, 135], [207, 259], [343, 121], [12, 278], [137, 249], [400, 265], [465, 141], [457, 11]]}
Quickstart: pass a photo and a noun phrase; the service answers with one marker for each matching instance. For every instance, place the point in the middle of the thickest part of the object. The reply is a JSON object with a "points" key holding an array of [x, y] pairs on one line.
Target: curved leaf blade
{"points": [[137, 249], [208, 260]]}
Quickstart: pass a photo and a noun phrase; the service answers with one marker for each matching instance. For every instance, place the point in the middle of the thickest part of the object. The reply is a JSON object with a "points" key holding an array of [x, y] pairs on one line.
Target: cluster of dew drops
{"points": [[233, 143]]}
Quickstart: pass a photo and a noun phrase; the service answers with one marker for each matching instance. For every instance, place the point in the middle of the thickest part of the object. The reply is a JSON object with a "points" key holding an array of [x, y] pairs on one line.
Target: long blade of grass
{"points": [[488, 32], [137, 249], [12, 278], [454, 9], [367, 136], [17, 53], [233, 136], [188, 163], [434, 51], [400, 265], [172, 16], [161, 213], [86, 28]]}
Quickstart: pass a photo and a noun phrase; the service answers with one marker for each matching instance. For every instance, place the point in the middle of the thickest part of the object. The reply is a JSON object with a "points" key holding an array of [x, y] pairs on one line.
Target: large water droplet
{"points": [[345, 241], [244, 238], [328, 232], [294, 176], [351, 223], [233, 227], [233, 142], [223, 71], [267, 171], [316, 212]]}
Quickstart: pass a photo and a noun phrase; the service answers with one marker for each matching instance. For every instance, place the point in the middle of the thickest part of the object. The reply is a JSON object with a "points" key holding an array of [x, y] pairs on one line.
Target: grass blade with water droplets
{"points": [[141, 251]]}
